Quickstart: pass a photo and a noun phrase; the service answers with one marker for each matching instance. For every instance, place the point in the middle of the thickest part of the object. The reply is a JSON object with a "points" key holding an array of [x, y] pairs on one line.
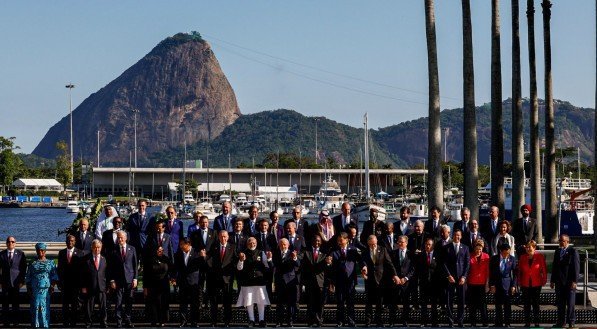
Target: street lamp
{"points": [[70, 87], [135, 111], [316, 152]]}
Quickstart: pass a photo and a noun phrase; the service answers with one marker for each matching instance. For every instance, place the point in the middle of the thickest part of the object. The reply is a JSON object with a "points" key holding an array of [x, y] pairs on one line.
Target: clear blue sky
{"points": [[337, 59]]}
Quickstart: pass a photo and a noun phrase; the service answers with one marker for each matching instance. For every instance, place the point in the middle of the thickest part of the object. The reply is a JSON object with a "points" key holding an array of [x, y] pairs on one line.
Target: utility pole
{"points": [[70, 87]]}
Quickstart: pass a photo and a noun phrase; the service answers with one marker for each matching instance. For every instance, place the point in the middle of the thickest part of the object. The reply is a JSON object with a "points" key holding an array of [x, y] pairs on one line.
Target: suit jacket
{"points": [[12, 274], [139, 227], [299, 243], [69, 274], [188, 275], [176, 232], [313, 271], [486, 229], [94, 280], [221, 224], [221, 269], [408, 229], [250, 228], [417, 242], [384, 241], [123, 270], [467, 239], [456, 264], [287, 269], [85, 244], [268, 244], [382, 270], [197, 239], [406, 269], [278, 230], [460, 225], [343, 271], [524, 233], [340, 227], [108, 243], [239, 241], [534, 274], [152, 244], [370, 228], [428, 227], [429, 273], [565, 269], [504, 279], [302, 227]]}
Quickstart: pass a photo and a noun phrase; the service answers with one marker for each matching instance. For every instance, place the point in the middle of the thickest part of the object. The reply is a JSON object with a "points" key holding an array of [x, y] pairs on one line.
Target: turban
{"points": [[527, 207]]}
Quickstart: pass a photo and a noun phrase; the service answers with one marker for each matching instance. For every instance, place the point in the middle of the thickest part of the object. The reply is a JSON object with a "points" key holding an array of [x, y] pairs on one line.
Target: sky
{"points": [[335, 58]]}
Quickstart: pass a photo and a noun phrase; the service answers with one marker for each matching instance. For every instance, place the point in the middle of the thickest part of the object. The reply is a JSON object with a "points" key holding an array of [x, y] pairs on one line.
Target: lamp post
{"points": [[70, 87], [316, 152], [135, 111]]}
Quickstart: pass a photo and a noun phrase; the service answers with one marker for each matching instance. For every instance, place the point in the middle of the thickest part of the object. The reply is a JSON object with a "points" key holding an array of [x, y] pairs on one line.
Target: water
{"points": [[34, 224]]}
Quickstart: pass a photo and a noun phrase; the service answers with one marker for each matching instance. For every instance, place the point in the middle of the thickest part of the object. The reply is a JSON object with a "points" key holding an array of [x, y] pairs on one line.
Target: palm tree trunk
{"points": [[435, 186], [535, 181], [595, 136], [551, 211], [471, 171], [497, 129], [518, 197]]}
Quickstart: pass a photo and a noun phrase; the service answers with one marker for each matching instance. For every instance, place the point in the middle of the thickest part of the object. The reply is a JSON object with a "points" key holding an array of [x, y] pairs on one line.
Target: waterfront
{"points": [[34, 224]]}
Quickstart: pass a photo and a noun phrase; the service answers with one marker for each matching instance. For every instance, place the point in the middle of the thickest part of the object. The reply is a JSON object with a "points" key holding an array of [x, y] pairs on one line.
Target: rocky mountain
{"points": [[179, 91]]}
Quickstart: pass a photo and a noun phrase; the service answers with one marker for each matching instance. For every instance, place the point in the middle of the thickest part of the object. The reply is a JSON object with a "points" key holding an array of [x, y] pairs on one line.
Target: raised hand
{"points": [[242, 257]]}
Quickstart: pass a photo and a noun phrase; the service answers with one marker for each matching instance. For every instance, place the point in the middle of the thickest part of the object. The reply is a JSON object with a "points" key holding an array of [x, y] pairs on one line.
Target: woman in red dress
{"points": [[532, 275]]}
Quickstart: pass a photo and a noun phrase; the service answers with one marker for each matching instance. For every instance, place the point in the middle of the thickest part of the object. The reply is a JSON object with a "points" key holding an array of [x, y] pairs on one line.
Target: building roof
{"points": [[32, 182]]}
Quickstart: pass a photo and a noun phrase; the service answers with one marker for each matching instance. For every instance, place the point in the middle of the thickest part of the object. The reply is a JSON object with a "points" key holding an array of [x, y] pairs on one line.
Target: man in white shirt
{"points": [[105, 223]]}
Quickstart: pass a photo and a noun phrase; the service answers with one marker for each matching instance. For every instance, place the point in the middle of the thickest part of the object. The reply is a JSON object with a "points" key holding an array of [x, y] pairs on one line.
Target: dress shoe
{"points": [[162, 325], [88, 325], [404, 324], [251, 324], [226, 324], [104, 325], [351, 325], [183, 324], [339, 324], [317, 324], [119, 325], [129, 325], [290, 324], [262, 324]]}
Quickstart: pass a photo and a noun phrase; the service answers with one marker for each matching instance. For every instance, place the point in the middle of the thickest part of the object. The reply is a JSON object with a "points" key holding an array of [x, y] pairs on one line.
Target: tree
{"points": [[10, 163], [518, 198], [497, 129], [535, 159], [551, 210], [471, 171], [435, 186], [63, 174]]}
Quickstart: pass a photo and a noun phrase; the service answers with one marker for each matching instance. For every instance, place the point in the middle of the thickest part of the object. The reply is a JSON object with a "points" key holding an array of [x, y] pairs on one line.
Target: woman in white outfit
{"points": [[253, 266], [503, 237]]}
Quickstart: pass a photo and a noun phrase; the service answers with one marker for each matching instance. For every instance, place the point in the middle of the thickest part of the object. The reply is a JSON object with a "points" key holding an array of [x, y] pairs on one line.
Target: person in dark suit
{"points": [[473, 234], [379, 273], [433, 224], [371, 227], [13, 266], [204, 237], [313, 276], [251, 224], [83, 236], [302, 226], [174, 227], [490, 227], [404, 226], [404, 263], [109, 240], [564, 276], [416, 246], [297, 242], [156, 285], [221, 265], [238, 238], [342, 264], [524, 229], [342, 221], [123, 279], [188, 264], [456, 263], [286, 279], [430, 275], [139, 225], [266, 241], [389, 239], [159, 238], [69, 280], [464, 223], [225, 221], [353, 240], [93, 284], [502, 283]]}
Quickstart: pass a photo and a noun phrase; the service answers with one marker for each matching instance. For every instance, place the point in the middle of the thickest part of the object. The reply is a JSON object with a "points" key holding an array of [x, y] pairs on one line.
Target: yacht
{"points": [[72, 206]]}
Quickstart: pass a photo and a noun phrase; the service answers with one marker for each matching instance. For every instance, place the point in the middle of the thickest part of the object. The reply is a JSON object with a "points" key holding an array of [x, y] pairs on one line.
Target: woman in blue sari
{"points": [[41, 279]]}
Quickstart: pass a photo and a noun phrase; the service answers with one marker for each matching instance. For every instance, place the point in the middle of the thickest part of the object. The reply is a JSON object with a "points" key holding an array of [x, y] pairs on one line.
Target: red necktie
{"points": [[123, 253], [160, 239], [222, 252], [428, 259], [68, 255], [315, 254], [97, 262]]}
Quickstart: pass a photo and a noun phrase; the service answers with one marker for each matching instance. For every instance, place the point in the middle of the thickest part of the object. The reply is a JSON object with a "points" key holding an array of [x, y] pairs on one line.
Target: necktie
{"points": [[263, 240], [315, 254], [222, 252], [562, 252], [493, 226], [10, 257], [96, 262], [83, 236], [373, 258], [401, 256], [160, 240], [122, 253], [237, 240], [457, 248], [474, 238], [171, 224], [204, 236], [503, 265], [391, 238], [69, 255], [428, 259], [292, 241], [344, 253], [186, 258]]}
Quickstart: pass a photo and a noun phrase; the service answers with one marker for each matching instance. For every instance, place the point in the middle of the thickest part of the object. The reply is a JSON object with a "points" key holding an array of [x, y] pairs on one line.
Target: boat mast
{"points": [[367, 184]]}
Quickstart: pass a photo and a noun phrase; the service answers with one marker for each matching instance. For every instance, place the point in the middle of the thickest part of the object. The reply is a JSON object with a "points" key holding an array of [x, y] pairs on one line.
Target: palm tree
{"points": [[595, 136], [435, 186], [534, 124], [471, 171], [517, 139], [497, 129], [551, 210]]}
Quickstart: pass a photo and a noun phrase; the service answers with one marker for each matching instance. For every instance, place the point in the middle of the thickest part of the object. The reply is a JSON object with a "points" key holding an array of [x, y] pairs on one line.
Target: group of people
{"points": [[403, 264]]}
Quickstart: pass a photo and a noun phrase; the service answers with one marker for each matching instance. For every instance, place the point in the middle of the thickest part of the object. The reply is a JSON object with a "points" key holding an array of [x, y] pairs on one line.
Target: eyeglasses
{"points": [[11, 241], [171, 212], [117, 222]]}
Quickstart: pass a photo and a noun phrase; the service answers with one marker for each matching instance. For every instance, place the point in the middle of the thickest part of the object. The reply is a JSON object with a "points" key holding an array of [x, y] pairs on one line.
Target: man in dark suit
{"points": [[464, 222], [93, 284], [474, 234], [69, 280], [203, 239], [174, 227], [83, 236], [342, 266], [139, 225], [524, 229], [456, 262], [502, 283], [302, 226], [430, 274], [109, 240], [266, 241], [353, 240], [371, 227], [13, 265], [404, 263], [123, 279], [380, 275], [416, 246], [342, 221], [564, 276], [238, 237], [404, 226], [159, 238], [490, 227], [287, 281], [297, 242], [313, 276], [221, 263], [225, 221], [188, 263], [434, 223], [251, 224]]}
